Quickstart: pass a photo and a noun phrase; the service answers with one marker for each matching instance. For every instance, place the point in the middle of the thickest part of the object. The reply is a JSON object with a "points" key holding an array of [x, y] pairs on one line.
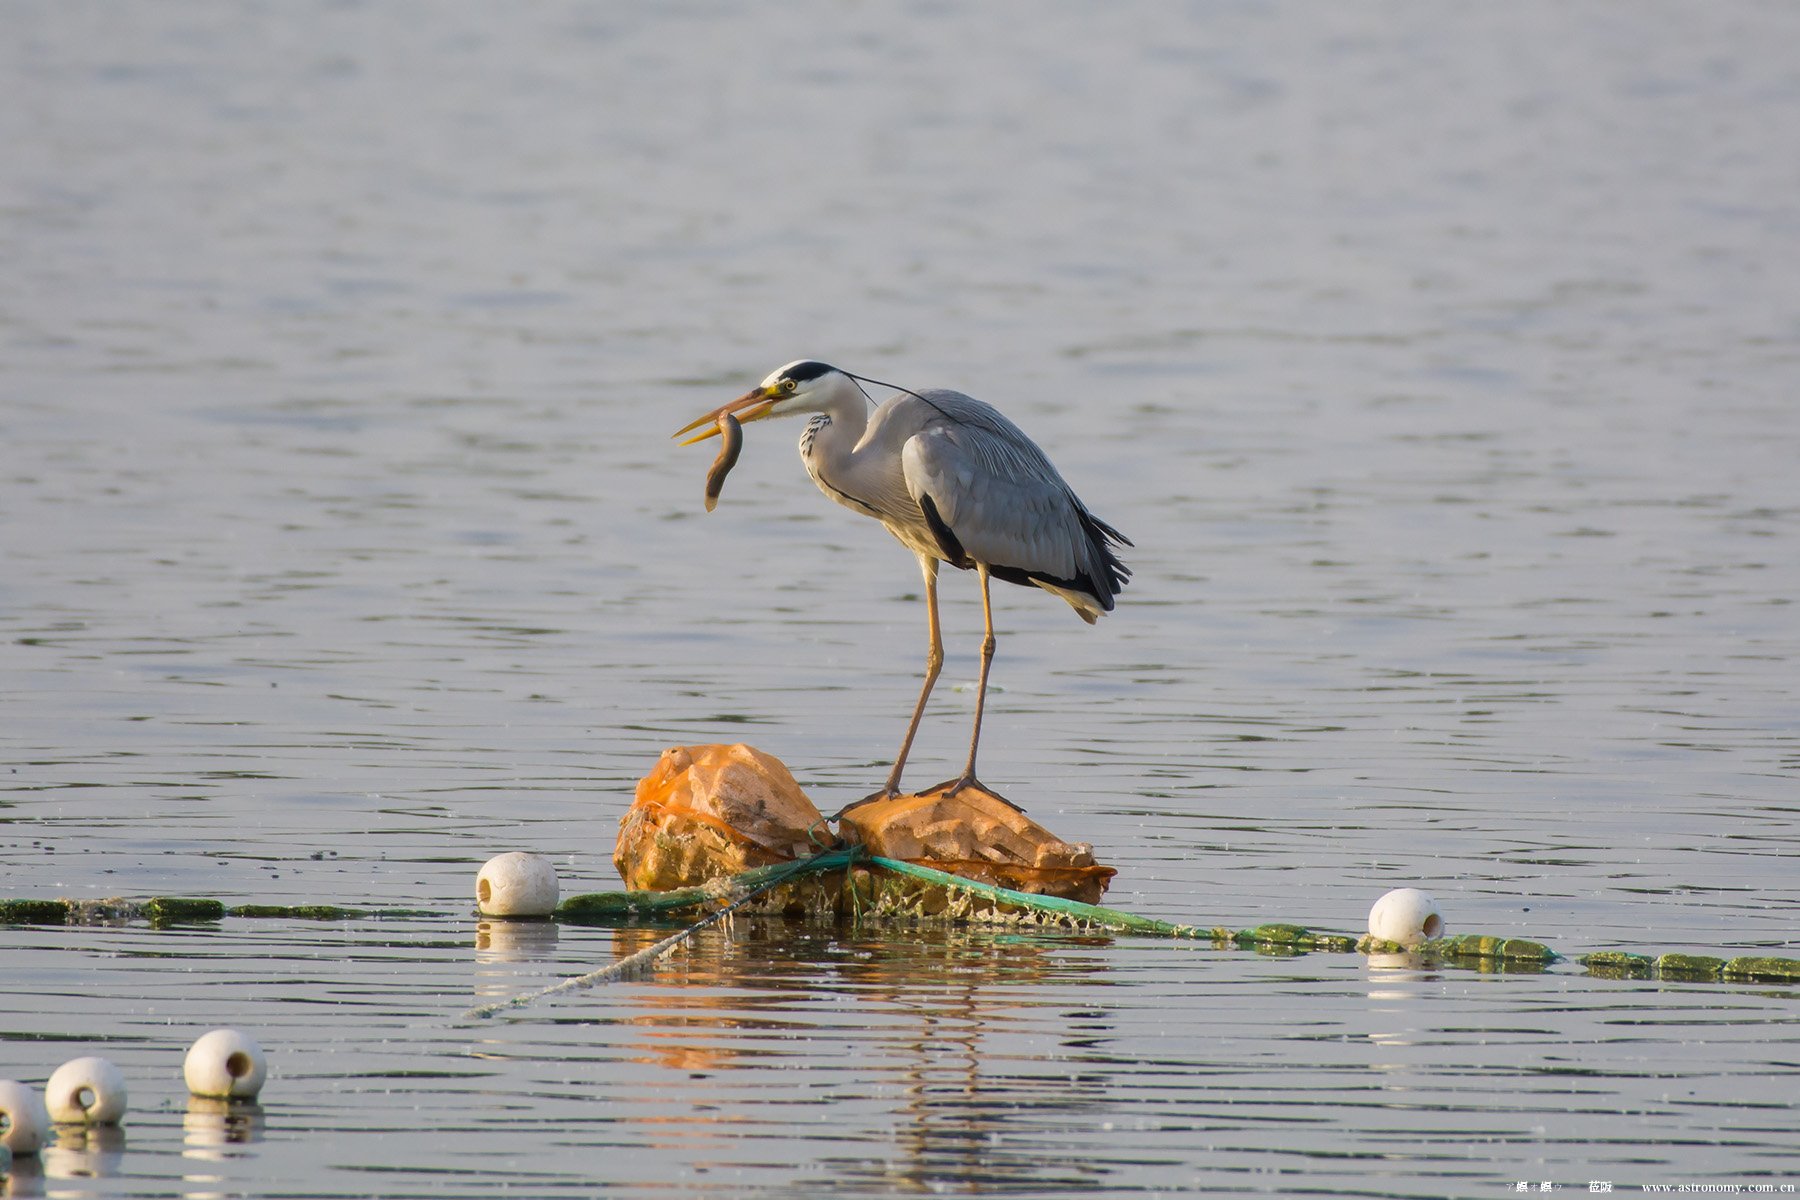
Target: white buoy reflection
{"points": [[82, 1152], [216, 1130]]}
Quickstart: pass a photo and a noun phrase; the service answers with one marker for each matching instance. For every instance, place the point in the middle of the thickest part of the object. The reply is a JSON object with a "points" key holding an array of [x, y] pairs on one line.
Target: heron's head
{"points": [[801, 386]]}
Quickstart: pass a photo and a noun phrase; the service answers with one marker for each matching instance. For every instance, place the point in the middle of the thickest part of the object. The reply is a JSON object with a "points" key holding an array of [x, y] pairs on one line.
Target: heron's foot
{"points": [[882, 793], [951, 787]]}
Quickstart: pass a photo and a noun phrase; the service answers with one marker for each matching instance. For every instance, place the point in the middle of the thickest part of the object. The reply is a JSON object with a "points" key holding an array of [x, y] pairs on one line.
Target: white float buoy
{"points": [[226, 1064], [516, 885], [86, 1091], [1407, 916], [24, 1121]]}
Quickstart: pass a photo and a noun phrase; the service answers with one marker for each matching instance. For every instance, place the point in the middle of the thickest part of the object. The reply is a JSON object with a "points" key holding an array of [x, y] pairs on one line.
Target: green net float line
{"points": [[1746, 968], [158, 910], [605, 908], [182, 910], [1277, 937], [1469, 945], [34, 912], [327, 912], [163, 911]]}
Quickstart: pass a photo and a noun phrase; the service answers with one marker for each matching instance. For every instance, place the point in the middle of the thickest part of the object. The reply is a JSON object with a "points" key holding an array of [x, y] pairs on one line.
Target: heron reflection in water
{"points": [[955, 482]]}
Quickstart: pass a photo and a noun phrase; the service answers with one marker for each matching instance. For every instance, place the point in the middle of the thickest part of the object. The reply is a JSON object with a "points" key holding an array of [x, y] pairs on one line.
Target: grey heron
{"points": [[955, 482]]}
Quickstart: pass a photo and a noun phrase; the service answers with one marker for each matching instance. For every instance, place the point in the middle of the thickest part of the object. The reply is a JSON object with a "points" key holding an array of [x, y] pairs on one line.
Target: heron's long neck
{"points": [[834, 430], [828, 446]]}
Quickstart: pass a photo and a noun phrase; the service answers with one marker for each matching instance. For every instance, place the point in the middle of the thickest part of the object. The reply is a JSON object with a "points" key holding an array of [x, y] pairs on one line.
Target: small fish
{"points": [[731, 440]]}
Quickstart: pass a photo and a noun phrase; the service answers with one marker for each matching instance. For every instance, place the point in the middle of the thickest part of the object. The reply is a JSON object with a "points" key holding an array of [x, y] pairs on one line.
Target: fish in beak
{"points": [[725, 423]]}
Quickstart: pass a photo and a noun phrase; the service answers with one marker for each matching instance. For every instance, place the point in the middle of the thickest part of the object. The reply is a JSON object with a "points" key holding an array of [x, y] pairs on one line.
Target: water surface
{"points": [[1439, 364]]}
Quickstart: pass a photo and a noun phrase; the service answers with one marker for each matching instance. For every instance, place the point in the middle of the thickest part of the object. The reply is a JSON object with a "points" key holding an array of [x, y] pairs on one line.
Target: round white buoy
{"points": [[226, 1064], [24, 1121], [1407, 916], [516, 885], [86, 1091]]}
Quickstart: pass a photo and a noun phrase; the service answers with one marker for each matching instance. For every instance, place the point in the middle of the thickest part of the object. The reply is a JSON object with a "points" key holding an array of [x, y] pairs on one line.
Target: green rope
{"points": [[1091, 915], [604, 908]]}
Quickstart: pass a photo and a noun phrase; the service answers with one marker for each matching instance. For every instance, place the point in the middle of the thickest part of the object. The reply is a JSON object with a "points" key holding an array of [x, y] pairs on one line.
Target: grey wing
{"points": [[1003, 504]]}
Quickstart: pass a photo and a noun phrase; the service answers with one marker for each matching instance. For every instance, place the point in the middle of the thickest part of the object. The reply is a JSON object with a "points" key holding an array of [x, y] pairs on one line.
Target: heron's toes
{"points": [[951, 787], [878, 794]]}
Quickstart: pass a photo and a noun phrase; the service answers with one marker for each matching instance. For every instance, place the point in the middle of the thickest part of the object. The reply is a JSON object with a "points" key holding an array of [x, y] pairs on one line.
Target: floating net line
{"points": [[891, 890]]}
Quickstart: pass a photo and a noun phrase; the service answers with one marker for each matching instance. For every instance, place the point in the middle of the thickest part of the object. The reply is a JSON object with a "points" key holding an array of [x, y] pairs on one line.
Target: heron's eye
{"points": [[788, 386]]}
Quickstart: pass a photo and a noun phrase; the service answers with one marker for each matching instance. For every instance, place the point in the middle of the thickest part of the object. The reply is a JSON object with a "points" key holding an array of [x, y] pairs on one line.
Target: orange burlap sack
{"points": [[977, 835], [709, 811]]}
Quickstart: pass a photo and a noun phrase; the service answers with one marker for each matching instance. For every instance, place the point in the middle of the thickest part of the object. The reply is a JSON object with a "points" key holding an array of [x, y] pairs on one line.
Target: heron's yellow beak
{"points": [[753, 405]]}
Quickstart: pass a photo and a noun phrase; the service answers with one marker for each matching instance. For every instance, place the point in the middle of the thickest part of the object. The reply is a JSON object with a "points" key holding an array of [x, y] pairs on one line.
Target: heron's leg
{"points": [[987, 657], [934, 662]]}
